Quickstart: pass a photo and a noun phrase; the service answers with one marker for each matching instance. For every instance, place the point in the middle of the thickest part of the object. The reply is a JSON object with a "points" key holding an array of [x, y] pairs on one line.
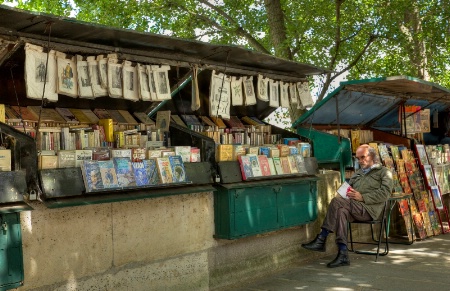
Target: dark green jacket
{"points": [[375, 187]]}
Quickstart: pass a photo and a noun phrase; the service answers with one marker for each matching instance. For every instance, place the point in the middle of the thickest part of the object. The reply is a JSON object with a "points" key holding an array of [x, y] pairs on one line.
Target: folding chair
{"points": [[375, 240]]}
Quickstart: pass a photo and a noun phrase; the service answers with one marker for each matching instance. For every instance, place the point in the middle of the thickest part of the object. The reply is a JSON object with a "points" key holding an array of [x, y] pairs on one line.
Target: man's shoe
{"points": [[318, 244], [341, 259]]}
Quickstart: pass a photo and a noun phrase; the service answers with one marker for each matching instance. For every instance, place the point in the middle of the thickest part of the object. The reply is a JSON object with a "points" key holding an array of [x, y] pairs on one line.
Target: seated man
{"points": [[371, 186]]}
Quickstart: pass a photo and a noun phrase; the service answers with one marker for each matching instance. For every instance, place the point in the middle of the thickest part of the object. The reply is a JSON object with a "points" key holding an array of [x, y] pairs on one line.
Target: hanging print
{"points": [[304, 95], [144, 87], [84, 80], [130, 83], [263, 91], [114, 78], [67, 75], [284, 95], [161, 79], [274, 93], [236, 92], [249, 91], [94, 74], [39, 72], [220, 98]]}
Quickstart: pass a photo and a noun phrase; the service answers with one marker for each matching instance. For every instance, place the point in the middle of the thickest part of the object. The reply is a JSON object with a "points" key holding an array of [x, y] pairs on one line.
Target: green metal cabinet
{"points": [[11, 258], [249, 208]]}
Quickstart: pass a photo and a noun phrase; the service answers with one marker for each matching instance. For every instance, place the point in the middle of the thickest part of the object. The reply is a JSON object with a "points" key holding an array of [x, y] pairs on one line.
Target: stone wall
{"points": [[162, 243]]}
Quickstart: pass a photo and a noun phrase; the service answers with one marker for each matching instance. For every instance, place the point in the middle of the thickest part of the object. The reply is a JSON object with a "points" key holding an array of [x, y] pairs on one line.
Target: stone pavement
{"points": [[424, 265]]}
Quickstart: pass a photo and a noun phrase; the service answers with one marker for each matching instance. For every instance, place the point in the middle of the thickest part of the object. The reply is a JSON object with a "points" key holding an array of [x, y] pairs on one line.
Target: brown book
{"points": [[25, 113], [102, 113], [47, 114]]}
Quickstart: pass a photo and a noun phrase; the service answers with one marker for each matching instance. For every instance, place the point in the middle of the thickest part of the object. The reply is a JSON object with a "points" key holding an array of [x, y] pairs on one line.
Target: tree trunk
{"points": [[277, 29]]}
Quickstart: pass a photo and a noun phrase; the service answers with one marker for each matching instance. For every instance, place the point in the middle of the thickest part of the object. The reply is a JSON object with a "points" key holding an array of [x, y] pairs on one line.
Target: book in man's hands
{"points": [[343, 189]]}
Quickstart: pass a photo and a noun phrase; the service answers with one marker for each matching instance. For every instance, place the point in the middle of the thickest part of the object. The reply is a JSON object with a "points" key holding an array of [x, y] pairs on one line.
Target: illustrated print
{"points": [[67, 77], [40, 70]]}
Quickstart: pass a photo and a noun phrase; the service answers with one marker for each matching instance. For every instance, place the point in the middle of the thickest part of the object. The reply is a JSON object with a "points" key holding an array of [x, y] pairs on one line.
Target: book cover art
{"points": [[285, 165], [277, 164], [254, 162], [224, 152], [293, 164], [163, 120], [101, 153], [68, 116], [108, 174], [273, 171], [124, 171], [178, 171], [138, 154], [195, 155], [246, 168], [164, 170], [152, 171], [140, 174], [264, 164], [184, 152], [91, 175]]}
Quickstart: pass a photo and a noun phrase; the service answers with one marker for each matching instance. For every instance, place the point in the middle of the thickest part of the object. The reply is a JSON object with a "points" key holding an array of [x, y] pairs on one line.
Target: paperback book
{"points": [[108, 174], [152, 171], [124, 171], [140, 174], [256, 169], [178, 171], [246, 168], [91, 175], [164, 170]]}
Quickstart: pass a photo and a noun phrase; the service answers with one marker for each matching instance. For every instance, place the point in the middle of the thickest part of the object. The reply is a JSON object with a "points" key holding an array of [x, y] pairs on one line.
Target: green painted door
{"points": [[297, 204], [11, 258], [255, 210]]}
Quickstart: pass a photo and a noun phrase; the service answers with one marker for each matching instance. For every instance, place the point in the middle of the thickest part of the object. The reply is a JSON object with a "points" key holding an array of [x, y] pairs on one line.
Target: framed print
{"points": [[429, 177], [436, 194], [422, 154]]}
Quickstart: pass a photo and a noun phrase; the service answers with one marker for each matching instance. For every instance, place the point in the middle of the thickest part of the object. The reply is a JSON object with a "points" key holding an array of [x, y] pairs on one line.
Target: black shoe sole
{"points": [[340, 265]]}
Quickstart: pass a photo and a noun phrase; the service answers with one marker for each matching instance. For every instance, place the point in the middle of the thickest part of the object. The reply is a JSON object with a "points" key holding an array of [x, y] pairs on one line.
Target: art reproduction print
{"points": [[67, 75], [108, 174], [114, 78], [249, 91], [263, 88], [94, 73], [143, 82], [237, 98], [84, 80], [284, 94], [151, 82], [161, 81], [437, 197], [130, 82], [293, 95], [274, 93], [220, 97], [103, 71], [40, 69], [304, 95]]}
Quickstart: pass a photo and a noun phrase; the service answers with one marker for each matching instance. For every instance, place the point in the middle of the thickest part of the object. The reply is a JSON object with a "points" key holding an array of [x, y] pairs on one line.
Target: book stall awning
{"points": [[375, 102]]}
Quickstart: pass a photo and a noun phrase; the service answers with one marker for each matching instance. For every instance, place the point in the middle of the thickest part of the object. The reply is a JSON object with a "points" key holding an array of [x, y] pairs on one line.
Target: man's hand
{"points": [[355, 195]]}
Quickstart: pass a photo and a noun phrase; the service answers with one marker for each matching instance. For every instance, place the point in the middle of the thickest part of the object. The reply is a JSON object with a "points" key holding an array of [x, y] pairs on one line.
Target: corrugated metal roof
{"points": [[375, 102], [18, 23]]}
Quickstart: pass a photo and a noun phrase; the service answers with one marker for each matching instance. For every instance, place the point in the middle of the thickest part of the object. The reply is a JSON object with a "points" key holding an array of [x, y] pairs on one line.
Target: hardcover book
{"points": [[178, 171], [177, 119], [80, 116], [108, 174], [246, 168], [101, 153], [254, 162], [47, 162], [67, 115], [144, 118], [152, 171], [47, 114], [224, 152], [91, 175], [25, 113], [5, 160], [93, 119], [164, 170], [128, 117], [121, 153], [138, 154], [124, 171], [82, 155], [66, 159], [195, 155], [102, 113], [264, 164], [116, 116], [140, 174]]}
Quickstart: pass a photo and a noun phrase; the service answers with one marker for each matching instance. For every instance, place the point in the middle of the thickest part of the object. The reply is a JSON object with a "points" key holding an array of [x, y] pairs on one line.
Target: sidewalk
{"points": [[424, 265]]}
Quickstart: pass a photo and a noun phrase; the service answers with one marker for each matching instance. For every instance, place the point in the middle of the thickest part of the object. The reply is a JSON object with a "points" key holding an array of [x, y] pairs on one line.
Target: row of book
{"points": [[121, 172], [74, 158], [253, 166], [231, 152]]}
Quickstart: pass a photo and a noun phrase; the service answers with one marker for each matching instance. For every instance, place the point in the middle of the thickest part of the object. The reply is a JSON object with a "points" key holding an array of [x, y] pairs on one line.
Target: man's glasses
{"points": [[361, 158]]}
